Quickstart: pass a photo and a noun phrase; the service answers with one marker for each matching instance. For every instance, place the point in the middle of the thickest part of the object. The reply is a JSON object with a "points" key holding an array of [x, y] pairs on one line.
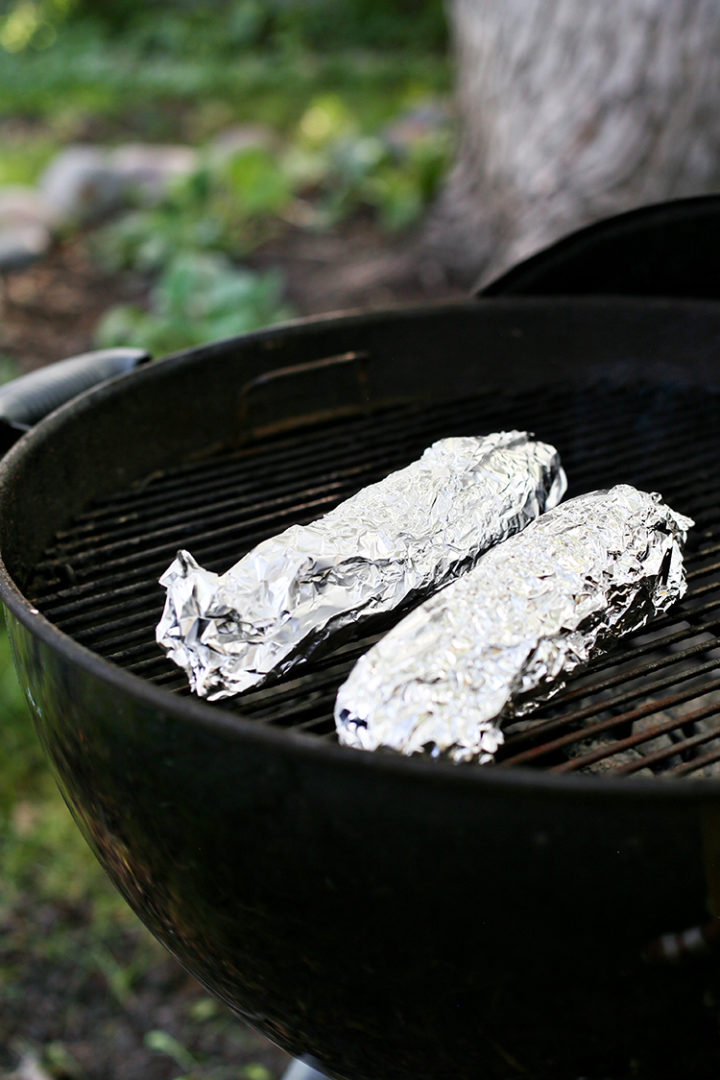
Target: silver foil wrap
{"points": [[391, 542], [505, 637]]}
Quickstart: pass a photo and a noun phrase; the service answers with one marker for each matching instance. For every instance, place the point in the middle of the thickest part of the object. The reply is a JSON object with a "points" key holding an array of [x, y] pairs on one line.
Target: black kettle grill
{"points": [[395, 917]]}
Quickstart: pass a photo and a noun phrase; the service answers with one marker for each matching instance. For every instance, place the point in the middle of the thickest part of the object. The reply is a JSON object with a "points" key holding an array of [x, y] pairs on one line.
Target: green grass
{"points": [[152, 96]]}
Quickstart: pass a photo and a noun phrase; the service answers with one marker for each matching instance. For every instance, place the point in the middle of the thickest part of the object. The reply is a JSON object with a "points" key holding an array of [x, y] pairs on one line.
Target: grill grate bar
{"points": [[585, 712], [283, 452], [118, 537], [157, 556], [414, 423], [619, 745], [703, 590], [701, 762], [98, 581], [634, 448], [701, 571], [227, 552], [374, 458], [601, 726], [237, 490], [178, 531], [657, 757], [633, 652], [123, 633], [648, 667], [710, 549], [74, 606], [149, 562]]}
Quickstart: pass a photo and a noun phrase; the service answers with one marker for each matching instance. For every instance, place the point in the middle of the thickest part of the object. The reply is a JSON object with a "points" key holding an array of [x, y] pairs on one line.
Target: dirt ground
{"points": [[50, 310], [117, 1007]]}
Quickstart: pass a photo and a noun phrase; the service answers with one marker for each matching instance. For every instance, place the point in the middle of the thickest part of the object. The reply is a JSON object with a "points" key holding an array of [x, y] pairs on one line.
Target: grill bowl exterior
{"points": [[387, 915]]}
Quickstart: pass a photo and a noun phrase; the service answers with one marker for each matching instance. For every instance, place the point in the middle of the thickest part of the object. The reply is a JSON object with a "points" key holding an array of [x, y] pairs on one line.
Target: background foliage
{"points": [[275, 24]]}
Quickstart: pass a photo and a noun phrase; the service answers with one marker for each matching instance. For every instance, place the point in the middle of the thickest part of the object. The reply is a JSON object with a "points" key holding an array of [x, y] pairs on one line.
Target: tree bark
{"points": [[573, 110]]}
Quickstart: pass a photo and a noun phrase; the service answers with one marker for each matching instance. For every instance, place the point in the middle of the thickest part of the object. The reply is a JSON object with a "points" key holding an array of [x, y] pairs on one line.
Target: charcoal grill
{"points": [[97, 580], [393, 917]]}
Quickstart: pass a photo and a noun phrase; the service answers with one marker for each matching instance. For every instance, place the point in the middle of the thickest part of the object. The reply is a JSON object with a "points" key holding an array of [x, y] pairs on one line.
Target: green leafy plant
{"points": [[198, 298], [395, 185], [164, 1043], [231, 207]]}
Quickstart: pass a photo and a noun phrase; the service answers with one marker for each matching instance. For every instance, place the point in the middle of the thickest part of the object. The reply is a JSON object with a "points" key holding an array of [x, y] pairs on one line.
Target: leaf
{"points": [[164, 1043], [200, 297], [258, 182]]}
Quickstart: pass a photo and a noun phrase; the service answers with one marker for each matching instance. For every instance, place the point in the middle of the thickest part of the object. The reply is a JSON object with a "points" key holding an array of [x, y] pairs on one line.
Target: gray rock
{"points": [[22, 245], [147, 169], [25, 206], [81, 184]]}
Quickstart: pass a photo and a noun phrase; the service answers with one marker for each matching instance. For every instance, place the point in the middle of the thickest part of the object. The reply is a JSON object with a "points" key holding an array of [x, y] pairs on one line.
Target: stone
{"points": [[21, 245], [25, 206], [147, 169], [81, 184]]}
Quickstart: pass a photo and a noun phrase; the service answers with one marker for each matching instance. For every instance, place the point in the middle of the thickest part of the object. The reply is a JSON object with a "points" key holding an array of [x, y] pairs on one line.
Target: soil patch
{"points": [[50, 310]]}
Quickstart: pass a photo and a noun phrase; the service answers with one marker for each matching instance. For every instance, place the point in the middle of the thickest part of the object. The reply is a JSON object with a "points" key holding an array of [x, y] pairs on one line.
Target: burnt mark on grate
{"points": [[651, 707]]}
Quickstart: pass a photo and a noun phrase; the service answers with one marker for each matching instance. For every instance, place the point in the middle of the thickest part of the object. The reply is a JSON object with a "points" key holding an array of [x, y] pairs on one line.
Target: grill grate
{"points": [[652, 707]]}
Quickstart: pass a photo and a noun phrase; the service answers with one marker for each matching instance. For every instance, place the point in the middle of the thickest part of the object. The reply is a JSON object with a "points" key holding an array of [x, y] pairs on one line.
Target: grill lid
{"points": [[667, 249]]}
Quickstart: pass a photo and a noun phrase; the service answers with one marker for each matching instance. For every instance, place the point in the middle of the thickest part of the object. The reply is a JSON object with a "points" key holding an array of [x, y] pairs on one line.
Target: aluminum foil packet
{"points": [[505, 637], [392, 542]]}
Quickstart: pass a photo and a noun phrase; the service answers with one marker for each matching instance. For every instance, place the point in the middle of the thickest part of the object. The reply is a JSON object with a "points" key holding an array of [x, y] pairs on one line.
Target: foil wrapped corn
{"points": [[505, 637], [392, 542]]}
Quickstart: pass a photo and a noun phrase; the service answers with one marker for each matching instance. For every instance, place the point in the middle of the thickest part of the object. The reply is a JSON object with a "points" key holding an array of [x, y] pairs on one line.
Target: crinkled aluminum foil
{"points": [[504, 638], [395, 540]]}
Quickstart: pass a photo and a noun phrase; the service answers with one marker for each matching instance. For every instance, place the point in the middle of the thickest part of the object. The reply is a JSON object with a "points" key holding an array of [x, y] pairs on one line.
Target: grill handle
{"points": [[29, 398]]}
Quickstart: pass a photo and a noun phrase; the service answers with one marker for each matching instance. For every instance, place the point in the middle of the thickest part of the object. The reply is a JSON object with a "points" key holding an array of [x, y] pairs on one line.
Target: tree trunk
{"points": [[571, 111]]}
